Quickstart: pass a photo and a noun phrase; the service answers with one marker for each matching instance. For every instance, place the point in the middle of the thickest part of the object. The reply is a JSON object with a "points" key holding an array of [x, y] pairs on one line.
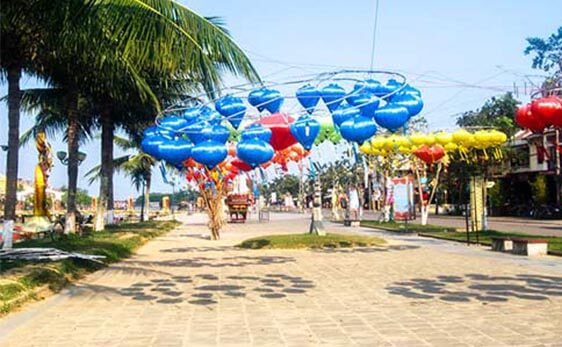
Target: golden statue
{"points": [[42, 171]]}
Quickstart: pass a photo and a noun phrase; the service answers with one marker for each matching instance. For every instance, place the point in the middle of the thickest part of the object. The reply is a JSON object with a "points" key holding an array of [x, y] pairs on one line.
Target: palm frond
{"points": [[95, 173]]}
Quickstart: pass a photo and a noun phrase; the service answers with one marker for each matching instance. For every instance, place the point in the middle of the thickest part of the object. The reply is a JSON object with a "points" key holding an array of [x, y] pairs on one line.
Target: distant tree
{"points": [[418, 124], [497, 112], [184, 195], [547, 53], [281, 186], [82, 197]]}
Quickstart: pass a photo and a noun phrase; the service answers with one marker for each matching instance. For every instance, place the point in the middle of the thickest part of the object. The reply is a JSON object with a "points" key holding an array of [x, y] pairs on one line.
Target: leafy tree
{"points": [[418, 124], [184, 195], [82, 197], [547, 54], [281, 186], [497, 112]]}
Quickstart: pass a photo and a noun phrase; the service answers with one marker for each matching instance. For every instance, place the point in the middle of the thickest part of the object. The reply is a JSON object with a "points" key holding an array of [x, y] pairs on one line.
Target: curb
{"points": [[553, 253]]}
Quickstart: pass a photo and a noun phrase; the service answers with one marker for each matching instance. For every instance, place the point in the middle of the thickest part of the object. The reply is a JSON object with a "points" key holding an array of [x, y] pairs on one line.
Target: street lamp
{"points": [[63, 157], [4, 147]]}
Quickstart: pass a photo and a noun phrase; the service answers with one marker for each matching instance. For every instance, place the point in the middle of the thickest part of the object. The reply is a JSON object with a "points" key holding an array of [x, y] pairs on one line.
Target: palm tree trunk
{"points": [[14, 103], [147, 180], [141, 218], [72, 139], [104, 213]]}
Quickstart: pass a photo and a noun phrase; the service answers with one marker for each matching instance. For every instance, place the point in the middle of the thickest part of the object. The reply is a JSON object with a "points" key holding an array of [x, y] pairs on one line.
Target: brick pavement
{"points": [[507, 224], [184, 290]]}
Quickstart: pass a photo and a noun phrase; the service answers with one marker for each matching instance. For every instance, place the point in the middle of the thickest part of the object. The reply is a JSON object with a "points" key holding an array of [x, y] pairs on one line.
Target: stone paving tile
{"points": [[184, 290]]}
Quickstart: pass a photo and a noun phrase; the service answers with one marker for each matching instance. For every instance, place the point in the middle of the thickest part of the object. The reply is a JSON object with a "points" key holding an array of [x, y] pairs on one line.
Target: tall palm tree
{"points": [[142, 35], [20, 34], [138, 166]]}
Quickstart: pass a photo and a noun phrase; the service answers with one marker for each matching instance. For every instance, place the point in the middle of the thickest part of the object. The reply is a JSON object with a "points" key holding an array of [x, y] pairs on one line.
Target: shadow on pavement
{"points": [[197, 249], [233, 261], [479, 287], [367, 249], [205, 289]]}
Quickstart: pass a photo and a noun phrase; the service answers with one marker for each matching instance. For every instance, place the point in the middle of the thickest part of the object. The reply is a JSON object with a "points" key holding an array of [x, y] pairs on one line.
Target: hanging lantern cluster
{"points": [[430, 148], [540, 114], [200, 134]]}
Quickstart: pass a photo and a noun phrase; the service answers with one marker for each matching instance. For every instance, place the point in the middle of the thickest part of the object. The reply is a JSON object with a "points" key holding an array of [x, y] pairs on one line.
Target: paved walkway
{"points": [[507, 224], [184, 290]]}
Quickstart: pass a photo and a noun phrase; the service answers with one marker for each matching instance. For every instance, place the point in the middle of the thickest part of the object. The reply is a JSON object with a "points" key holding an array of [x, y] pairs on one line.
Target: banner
{"points": [[403, 191]]}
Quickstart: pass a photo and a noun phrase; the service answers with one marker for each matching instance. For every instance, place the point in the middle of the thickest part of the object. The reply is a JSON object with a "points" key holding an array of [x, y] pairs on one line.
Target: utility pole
{"points": [[316, 226], [557, 176]]}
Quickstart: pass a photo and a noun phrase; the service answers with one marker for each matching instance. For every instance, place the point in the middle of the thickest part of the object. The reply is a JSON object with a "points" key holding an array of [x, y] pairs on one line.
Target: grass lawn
{"points": [[401, 226], [485, 237], [449, 233], [296, 241], [21, 281]]}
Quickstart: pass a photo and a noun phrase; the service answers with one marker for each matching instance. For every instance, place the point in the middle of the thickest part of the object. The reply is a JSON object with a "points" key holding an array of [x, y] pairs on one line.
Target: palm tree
{"points": [[137, 166], [115, 38], [20, 33]]}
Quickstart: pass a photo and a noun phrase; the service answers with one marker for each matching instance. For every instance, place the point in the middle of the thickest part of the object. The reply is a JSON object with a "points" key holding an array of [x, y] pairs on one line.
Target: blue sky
{"points": [[459, 53]]}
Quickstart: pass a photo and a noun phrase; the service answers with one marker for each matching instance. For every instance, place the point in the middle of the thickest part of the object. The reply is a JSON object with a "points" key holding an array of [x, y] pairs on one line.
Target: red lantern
{"points": [[241, 165], [189, 176], [430, 154], [525, 118], [281, 136], [548, 109]]}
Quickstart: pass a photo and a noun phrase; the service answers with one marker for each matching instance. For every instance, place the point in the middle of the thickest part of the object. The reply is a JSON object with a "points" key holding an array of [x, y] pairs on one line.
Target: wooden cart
{"points": [[238, 207]]}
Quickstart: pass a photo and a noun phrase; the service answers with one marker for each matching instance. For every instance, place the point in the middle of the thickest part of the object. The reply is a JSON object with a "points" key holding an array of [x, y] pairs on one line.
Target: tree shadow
{"points": [[479, 287], [391, 248], [197, 249], [233, 261], [204, 289]]}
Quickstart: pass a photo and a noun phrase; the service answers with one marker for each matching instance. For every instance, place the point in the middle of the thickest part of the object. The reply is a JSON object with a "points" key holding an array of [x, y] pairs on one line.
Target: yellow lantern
{"points": [[377, 142], [418, 139], [366, 148], [450, 147], [461, 136], [429, 139], [443, 138]]}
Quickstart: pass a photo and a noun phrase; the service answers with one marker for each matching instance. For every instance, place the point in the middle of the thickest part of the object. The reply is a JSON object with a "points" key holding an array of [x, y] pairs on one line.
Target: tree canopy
{"points": [[497, 112], [547, 53]]}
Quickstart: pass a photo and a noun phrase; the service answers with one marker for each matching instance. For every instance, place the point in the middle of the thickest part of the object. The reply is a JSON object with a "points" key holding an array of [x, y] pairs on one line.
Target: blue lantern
{"points": [[151, 144], [371, 86], [392, 117], [191, 114], [333, 95], [409, 90], [305, 130], [308, 97], [358, 129], [254, 151], [412, 103], [216, 132], [173, 122], [343, 113], [150, 131], [196, 131], [272, 100], [366, 102], [232, 108], [175, 151], [209, 153], [392, 86], [255, 98], [256, 131]]}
